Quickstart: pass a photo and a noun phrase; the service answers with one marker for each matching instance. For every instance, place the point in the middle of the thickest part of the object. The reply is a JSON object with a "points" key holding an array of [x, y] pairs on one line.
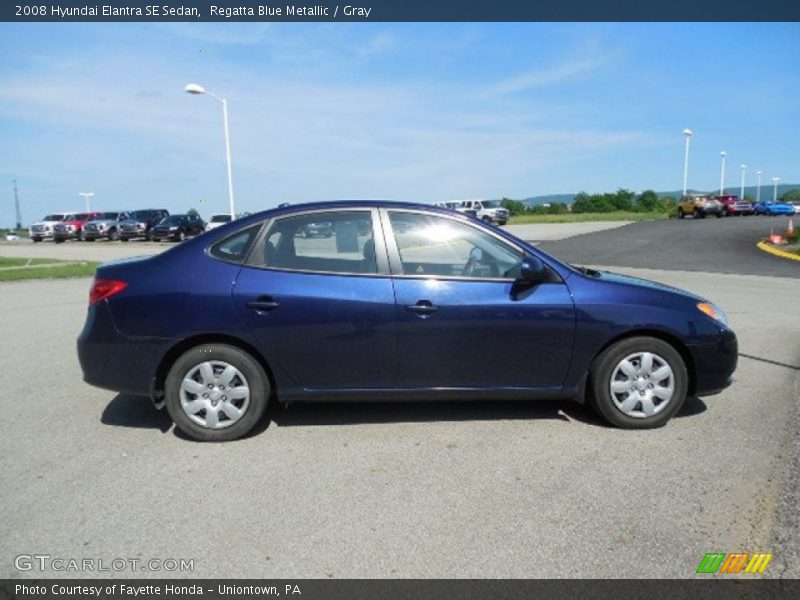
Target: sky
{"points": [[418, 112]]}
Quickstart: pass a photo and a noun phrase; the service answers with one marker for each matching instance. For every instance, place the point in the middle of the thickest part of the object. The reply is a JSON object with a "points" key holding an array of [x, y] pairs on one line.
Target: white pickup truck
{"points": [[489, 211]]}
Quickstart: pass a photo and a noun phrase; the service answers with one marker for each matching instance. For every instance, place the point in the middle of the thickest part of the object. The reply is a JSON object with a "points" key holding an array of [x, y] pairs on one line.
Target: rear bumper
{"points": [[115, 362], [714, 364]]}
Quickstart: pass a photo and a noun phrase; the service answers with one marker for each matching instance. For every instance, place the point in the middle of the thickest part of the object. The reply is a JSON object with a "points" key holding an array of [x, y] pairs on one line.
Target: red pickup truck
{"points": [[72, 226], [732, 205]]}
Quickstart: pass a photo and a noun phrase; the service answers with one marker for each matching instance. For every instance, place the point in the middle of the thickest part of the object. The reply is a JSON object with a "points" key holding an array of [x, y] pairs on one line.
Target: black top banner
{"points": [[401, 10]]}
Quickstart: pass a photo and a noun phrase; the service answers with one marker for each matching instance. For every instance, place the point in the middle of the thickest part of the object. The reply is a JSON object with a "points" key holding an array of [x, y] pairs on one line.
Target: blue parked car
{"points": [[401, 302], [773, 208]]}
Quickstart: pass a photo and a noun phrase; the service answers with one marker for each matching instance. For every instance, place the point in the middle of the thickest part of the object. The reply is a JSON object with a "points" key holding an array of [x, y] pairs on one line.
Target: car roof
{"points": [[332, 204]]}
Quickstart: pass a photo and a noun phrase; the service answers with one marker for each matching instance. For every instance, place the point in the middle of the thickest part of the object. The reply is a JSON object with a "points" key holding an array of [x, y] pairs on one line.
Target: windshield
{"points": [[109, 215], [172, 220], [220, 219], [491, 203], [53, 218], [141, 214]]}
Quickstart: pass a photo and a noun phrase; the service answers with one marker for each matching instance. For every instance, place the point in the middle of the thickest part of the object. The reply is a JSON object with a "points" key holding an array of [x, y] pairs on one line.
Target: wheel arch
{"points": [[664, 336], [175, 351]]}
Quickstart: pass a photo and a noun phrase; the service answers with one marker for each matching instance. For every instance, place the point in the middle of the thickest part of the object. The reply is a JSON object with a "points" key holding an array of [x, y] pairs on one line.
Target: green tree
{"points": [[192, 211], [582, 203], [514, 207], [557, 208], [623, 199], [791, 196], [648, 201]]}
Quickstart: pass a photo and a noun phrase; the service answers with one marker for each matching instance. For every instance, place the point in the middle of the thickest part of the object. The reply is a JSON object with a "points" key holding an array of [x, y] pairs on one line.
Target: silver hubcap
{"points": [[642, 385], [214, 394]]}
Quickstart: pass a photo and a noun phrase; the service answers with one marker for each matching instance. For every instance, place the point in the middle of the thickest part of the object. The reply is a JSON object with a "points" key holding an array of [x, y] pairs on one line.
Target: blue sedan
{"points": [[400, 302], [773, 208]]}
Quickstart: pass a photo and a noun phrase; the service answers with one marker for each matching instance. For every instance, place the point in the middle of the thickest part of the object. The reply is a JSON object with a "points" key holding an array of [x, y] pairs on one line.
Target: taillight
{"points": [[105, 288]]}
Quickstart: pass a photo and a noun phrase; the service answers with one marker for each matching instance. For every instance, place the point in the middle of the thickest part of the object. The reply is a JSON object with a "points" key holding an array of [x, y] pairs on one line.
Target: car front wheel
{"points": [[216, 392], [638, 383]]}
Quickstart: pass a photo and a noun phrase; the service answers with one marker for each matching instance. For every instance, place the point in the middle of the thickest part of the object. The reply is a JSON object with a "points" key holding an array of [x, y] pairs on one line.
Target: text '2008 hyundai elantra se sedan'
{"points": [[400, 302]]}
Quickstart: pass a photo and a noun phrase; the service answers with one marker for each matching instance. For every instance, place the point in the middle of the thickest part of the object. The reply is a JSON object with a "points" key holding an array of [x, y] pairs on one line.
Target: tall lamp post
{"points": [[688, 133], [722, 154], [775, 181], [741, 193], [16, 206], [86, 196], [758, 186], [194, 88]]}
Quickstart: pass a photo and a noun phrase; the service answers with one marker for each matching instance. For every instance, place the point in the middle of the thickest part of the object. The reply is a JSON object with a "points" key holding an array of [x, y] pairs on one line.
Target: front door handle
{"points": [[263, 304], [423, 308]]}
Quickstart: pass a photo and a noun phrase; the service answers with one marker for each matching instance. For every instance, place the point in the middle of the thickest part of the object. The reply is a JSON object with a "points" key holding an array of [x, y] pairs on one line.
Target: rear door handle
{"points": [[423, 308], [263, 304]]}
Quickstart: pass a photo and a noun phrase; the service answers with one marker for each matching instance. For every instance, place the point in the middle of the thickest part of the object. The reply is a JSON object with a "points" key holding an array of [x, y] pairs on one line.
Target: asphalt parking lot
{"points": [[416, 490]]}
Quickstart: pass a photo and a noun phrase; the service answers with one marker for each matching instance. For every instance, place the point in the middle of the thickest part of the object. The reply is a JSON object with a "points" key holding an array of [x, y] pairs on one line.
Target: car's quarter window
{"points": [[435, 246], [325, 242], [234, 247]]}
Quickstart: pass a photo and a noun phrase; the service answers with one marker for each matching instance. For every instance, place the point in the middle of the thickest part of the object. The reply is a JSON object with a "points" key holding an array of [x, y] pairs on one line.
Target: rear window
{"points": [[221, 219], [323, 242], [234, 248]]}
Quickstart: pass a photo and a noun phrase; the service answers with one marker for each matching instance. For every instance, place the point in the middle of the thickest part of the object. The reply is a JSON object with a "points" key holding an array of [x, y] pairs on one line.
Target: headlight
{"points": [[713, 311], [174, 228]]}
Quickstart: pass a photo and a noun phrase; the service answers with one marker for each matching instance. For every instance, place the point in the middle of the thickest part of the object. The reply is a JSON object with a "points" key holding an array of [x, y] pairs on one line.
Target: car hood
{"points": [[644, 283]]}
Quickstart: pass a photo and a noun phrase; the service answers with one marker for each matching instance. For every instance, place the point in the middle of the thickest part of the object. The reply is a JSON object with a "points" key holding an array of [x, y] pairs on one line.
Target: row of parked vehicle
{"points": [[488, 211], [701, 206], [154, 224]]}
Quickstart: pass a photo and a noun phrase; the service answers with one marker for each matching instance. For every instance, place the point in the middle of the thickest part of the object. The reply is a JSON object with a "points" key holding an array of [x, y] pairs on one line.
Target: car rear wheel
{"points": [[216, 392], [638, 383]]}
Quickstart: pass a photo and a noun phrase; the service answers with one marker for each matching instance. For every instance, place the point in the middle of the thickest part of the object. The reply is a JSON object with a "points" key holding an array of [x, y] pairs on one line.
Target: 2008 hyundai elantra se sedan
{"points": [[400, 302]]}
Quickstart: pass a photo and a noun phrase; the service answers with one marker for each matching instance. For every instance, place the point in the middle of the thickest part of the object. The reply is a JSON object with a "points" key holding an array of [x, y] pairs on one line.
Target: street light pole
{"points": [[16, 206], [723, 154], [194, 88], [758, 186], [86, 196], [743, 168], [688, 133], [775, 181]]}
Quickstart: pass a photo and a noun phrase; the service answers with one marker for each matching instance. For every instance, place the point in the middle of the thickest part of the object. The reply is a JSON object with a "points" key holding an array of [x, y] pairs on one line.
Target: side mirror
{"points": [[532, 270]]}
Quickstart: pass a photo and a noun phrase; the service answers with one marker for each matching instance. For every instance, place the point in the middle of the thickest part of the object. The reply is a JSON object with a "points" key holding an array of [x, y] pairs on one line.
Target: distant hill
{"points": [[750, 190]]}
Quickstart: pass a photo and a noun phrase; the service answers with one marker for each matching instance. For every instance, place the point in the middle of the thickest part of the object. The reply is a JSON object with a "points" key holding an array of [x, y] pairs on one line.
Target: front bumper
{"points": [[116, 362], [714, 364]]}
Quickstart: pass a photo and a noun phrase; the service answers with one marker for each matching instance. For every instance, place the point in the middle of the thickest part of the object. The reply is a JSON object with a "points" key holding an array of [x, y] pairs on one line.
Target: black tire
{"points": [[181, 235], [602, 369], [720, 215], [36, 239], [124, 239], [487, 220], [681, 214], [257, 381], [148, 236], [113, 235], [81, 236]]}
